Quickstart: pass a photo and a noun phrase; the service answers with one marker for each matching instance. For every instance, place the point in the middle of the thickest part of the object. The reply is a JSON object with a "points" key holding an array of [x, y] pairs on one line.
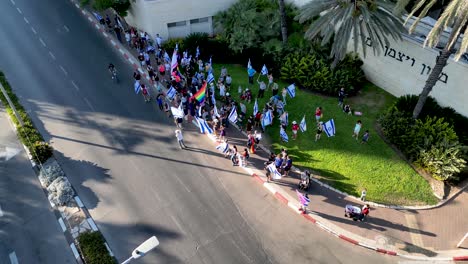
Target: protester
{"points": [[341, 96], [261, 91], [357, 128], [295, 128], [318, 114], [180, 139], [319, 131], [365, 137], [287, 166], [251, 72]]}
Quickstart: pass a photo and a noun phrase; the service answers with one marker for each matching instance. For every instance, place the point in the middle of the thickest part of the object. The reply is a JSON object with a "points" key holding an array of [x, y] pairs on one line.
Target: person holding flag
{"points": [[303, 125], [304, 200], [251, 72]]}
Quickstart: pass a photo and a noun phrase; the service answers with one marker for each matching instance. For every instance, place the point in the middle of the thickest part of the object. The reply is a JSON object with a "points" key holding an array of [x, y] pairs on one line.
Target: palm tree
{"points": [[358, 19], [455, 16], [284, 27]]}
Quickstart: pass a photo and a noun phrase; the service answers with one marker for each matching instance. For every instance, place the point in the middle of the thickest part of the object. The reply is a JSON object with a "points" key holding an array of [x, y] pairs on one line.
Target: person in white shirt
{"points": [[180, 139]]}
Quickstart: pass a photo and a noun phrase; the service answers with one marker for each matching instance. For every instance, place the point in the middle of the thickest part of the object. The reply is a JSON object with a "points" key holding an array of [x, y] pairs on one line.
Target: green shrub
{"points": [[92, 248], [101, 5], [28, 134], [170, 44], [41, 151], [425, 134], [315, 74], [395, 125], [121, 7], [194, 40], [442, 160]]}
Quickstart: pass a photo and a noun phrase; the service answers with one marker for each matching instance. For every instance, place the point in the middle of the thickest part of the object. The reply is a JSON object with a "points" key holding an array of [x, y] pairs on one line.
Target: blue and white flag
{"points": [[291, 90], [197, 53], [204, 127], [233, 115], [283, 135], [223, 147], [166, 56], [329, 128], [213, 99], [267, 119], [177, 112], [137, 87], [210, 77], [215, 111], [249, 65], [255, 110], [275, 174], [303, 125], [264, 70], [200, 111], [211, 62], [171, 93], [285, 118]]}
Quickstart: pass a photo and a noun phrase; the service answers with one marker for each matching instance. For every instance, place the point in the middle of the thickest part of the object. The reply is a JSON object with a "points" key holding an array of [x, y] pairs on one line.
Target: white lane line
{"points": [[42, 42], [66, 28], [13, 2], [113, 42], [1, 212], [79, 202], [90, 19], [105, 34], [78, 89], [19, 10], [75, 251], [13, 258], [121, 51], [88, 103], [77, 6], [62, 224], [33, 30], [108, 249], [63, 69], [96, 26], [26, 20], [52, 55]]}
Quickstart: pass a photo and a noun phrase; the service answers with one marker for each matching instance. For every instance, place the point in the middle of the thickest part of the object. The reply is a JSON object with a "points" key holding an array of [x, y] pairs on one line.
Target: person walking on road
{"points": [[180, 139]]}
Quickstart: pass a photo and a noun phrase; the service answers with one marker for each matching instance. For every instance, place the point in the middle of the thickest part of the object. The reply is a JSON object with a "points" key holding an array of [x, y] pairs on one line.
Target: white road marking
{"points": [[42, 42], [64, 71], [13, 258], [33, 30], [13, 2], [75, 252], [92, 224], [90, 19], [62, 224], [52, 55], [105, 34], [88, 103], [96, 25], [121, 51], [19, 10], [1, 212], [26, 20], [78, 89], [66, 28], [108, 249], [113, 42], [77, 6], [78, 200]]}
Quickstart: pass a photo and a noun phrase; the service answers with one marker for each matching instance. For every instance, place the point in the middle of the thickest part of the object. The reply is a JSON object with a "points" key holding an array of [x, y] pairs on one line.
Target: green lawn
{"points": [[341, 161]]}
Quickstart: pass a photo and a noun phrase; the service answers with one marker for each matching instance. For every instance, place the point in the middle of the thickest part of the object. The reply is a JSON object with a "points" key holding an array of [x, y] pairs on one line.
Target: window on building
{"points": [[199, 20], [177, 24]]}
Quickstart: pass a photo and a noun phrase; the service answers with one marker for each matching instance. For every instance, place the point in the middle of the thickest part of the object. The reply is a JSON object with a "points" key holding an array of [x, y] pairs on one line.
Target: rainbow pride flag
{"points": [[201, 94]]}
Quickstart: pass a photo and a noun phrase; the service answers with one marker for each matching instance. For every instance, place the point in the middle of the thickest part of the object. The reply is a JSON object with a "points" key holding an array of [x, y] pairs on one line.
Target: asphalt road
{"points": [[121, 155], [24, 208]]}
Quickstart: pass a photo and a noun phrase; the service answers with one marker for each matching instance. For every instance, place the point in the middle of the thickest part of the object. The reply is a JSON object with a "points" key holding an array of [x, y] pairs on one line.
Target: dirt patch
{"points": [[371, 99]]}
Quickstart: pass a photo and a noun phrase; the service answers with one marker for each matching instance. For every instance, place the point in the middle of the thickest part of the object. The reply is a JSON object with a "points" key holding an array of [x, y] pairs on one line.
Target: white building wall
{"points": [[403, 67], [153, 16]]}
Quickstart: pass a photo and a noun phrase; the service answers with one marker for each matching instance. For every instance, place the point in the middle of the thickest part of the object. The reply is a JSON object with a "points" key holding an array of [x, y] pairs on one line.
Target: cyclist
{"points": [[112, 70]]}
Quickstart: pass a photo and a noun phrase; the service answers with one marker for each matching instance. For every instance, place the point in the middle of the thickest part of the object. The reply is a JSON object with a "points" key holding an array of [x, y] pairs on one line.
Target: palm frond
{"points": [[399, 8], [421, 15], [464, 45], [418, 5]]}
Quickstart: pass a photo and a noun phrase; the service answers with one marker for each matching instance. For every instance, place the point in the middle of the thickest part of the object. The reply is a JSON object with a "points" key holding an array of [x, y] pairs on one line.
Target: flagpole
{"points": [[258, 77]]}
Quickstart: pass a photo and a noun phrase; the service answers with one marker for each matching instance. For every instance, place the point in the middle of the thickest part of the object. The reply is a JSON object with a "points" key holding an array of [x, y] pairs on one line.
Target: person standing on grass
{"points": [[357, 128], [295, 128], [319, 131], [365, 137], [228, 82], [261, 91], [341, 96], [274, 89], [270, 80], [251, 72], [318, 114], [363, 195], [180, 139], [284, 94]]}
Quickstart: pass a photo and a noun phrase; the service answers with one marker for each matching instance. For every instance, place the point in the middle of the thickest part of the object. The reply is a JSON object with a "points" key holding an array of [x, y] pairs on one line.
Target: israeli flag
{"points": [[166, 56], [197, 53], [275, 174], [213, 99], [303, 125], [285, 118], [255, 110], [233, 115], [329, 128], [200, 111], [267, 119], [137, 87], [264, 70], [171, 93], [223, 147], [215, 111], [211, 62], [177, 112], [210, 77], [249, 65], [291, 90], [283, 135], [204, 127]]}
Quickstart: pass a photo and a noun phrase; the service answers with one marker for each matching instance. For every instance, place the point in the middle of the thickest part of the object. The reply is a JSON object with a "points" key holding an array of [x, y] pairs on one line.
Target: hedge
{"points": [[27, 132], [93, 249]]}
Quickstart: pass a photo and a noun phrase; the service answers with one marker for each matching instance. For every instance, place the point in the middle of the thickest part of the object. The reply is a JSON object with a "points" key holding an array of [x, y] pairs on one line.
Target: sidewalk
{"points": [[415, 234]]}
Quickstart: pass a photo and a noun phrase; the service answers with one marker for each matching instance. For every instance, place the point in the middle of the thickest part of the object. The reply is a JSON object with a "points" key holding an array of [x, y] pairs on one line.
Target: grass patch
{"points": [[341, 161], [93, 249]]}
